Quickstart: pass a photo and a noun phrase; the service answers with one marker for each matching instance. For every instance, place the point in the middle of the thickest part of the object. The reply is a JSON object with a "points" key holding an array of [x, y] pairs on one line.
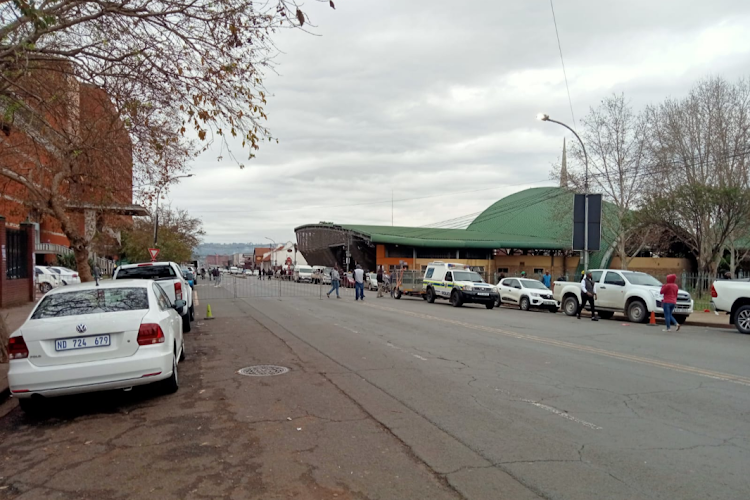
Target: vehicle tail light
{"points": [[146, 264], [150, 333], [75, 275], [178, 291], [713, 292], [17, 348]]}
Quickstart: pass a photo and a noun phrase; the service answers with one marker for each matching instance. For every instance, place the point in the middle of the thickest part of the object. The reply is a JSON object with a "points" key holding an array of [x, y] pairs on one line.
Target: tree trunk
{"points": [[81, 251]]}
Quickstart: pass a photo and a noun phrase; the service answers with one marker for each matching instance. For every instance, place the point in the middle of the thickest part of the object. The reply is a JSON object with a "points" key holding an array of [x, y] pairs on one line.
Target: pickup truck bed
{"points": [[733, 297]]}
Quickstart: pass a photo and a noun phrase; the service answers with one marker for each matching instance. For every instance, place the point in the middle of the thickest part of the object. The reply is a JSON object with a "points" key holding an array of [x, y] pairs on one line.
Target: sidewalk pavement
{"points": [[709, 319], [14, 318]]}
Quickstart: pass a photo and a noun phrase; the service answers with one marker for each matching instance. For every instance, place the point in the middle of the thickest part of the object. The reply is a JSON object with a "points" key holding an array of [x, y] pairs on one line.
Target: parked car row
{"points": [[115, 334], [49, 277]]}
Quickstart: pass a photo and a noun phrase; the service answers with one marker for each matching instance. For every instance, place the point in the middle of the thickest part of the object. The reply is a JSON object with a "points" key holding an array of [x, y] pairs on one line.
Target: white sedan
{"points": [[68, 276], [86, 338]]}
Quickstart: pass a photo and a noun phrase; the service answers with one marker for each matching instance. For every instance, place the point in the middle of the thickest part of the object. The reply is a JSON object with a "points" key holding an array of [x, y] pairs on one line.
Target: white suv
{"points": [[527, 294], [457, 283]]}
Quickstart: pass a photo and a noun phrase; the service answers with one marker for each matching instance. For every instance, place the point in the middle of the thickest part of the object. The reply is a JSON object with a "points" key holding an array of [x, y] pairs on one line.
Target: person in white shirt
{"points": [[588, 294], [359, 283]]}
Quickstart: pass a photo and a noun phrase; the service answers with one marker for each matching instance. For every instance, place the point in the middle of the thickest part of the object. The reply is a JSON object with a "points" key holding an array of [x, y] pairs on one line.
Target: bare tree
{"points": [[700, 145], [615, 139], [172, 69]]}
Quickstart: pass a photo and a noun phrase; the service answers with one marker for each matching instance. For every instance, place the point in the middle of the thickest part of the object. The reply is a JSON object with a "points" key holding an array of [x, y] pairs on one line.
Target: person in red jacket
{"points": [[669, 302]]}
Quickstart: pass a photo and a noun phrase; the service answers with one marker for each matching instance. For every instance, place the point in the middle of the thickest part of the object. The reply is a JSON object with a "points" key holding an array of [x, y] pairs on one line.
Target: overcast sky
{"points": [[439, 98]]}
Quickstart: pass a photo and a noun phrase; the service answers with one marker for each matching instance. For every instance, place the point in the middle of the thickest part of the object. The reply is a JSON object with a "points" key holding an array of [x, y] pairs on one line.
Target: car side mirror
{"points": [[518, 287], [179, 304]]}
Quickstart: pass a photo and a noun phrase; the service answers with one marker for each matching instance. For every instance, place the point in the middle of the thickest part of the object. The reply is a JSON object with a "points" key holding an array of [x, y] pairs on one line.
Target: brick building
{"points": [[71, 142]]}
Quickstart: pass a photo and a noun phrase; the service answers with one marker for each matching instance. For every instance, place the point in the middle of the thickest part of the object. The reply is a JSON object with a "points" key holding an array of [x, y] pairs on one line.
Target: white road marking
{"points": [[419, 357], [563, 414]]}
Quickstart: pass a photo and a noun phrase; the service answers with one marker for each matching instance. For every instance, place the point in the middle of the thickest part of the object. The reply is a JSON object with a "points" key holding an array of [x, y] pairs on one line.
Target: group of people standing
{"points": [[359, 282]]}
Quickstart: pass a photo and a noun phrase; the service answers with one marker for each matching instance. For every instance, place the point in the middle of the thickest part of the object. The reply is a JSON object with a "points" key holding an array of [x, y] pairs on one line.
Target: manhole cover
{"points": [[263, 370]]}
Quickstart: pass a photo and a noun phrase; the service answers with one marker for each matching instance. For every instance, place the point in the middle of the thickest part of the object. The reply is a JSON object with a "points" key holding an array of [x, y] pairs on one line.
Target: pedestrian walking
{"points": [[669, 291], [547, 279], [359, 283], [588, 295], [335, 282], [381, 281]]}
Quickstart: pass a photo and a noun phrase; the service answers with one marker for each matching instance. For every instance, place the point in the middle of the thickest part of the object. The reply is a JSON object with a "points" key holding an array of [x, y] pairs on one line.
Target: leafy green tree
{"points": [[179, 234]]}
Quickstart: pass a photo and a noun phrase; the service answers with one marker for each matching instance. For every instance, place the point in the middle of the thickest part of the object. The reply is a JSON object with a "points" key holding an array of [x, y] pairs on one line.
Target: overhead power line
{"points": [[562, 60]]}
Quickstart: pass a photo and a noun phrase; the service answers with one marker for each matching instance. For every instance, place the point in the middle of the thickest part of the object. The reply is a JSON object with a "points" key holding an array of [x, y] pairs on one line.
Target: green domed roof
{"points": [[538, 212]]}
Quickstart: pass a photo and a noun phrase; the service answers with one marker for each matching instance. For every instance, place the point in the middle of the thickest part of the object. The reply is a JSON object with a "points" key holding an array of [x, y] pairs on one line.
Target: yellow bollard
{"points": [[208, 312]]}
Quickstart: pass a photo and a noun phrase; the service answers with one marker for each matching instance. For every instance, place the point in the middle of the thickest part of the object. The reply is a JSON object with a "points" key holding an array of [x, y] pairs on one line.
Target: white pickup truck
{"points": [[168, 275], [633, 293], [733, 297]]}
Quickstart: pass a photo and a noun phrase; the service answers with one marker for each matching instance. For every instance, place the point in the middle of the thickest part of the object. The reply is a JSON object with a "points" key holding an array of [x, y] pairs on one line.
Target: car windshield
{"points": [[305, 269], [146, 273], [467, 276], [641, 279], [533, 284], [102, 300]]}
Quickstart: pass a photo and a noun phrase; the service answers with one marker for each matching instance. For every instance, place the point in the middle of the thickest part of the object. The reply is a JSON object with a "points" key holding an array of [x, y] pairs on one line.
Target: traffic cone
{"points": [[651, 322], [208, 312]]}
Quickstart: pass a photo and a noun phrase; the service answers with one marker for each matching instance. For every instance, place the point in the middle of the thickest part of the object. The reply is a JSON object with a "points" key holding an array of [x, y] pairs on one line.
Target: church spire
{"points": [[564, 168]]}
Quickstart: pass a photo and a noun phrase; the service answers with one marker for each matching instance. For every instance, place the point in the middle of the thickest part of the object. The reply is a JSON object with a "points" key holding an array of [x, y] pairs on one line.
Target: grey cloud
{"points": [[436, 97]]}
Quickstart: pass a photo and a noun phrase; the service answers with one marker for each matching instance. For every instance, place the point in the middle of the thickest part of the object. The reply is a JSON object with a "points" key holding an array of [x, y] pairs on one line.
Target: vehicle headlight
{"points": [[655, 294], [468, 288]]}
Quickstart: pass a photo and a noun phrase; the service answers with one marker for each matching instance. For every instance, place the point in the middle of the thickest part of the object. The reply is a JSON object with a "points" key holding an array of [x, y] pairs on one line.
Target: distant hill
{"points": [[226, 248]]}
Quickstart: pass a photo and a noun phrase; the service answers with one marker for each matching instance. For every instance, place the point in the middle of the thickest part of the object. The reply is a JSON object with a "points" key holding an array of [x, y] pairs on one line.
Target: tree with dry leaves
{"points": [[700, 145], [619, 169], [172, 70]]}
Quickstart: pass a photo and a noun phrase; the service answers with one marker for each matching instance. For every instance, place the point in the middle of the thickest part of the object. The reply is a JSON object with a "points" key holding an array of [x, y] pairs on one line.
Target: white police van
{"points": [[458, 284]]}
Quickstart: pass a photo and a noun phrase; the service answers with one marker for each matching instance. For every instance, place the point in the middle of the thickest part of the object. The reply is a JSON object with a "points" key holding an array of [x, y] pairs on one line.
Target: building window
{"points": [[538, 270], [399, 252], [474, 254], [502, 270], [435, 253]]}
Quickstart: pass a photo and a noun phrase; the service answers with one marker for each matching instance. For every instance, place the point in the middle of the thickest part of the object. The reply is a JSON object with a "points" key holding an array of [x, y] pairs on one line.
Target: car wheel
{"points": [[605, 314], [430, 295], [192, 314], [45, 287], [397, 294], [455, 299], [681, 319], [172, 383], [637, 312], [570, 306], [525, 304], [186, 323], [498, 301], [490, 305], [424, 296], [182, 353], [742, 319], [32, 406]]}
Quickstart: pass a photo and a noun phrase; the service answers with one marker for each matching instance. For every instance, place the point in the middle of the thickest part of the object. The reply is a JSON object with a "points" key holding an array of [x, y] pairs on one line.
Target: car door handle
{"points": [[603, 287]]}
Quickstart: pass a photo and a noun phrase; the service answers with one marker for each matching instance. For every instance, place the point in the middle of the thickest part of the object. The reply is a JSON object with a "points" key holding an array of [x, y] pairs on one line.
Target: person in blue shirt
{"points": [[547, 279]]}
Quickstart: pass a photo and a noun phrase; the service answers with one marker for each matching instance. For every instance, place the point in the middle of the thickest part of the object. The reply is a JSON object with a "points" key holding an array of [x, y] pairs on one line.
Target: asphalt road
{"points": [[563, 408], [400, 399]]}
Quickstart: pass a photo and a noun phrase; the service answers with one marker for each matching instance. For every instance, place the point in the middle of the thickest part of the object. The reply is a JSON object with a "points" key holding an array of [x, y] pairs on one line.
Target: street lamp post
{"points": [[545, 118], [273, 252], [158, 195]]}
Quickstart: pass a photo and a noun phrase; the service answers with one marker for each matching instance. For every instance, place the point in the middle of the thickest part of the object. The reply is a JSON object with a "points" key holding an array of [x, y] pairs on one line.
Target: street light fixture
{"points": [[545, 118], [273, 252], [158, 195]]}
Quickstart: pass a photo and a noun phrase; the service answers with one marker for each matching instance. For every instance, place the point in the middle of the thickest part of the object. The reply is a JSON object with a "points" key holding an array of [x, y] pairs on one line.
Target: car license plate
{"points": [[82, 343], [483, 294]]}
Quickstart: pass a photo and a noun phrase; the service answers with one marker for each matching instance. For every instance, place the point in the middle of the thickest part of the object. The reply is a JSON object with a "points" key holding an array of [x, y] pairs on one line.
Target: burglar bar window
{"points": [[16, 249]]}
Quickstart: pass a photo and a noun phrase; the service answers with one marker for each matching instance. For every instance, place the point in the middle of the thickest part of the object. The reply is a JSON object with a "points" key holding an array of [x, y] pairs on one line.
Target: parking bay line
{"points": [[570, 345]]}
